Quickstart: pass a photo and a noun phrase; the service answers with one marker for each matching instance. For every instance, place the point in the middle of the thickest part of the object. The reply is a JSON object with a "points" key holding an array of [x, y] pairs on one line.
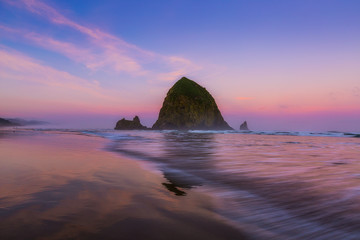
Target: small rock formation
{"points": [[135, 124], [187, 106], [244, 126]]}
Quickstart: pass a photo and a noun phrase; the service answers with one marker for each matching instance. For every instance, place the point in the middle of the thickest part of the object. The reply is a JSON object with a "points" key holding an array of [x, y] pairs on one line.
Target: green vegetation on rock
{"points": [[190, 106]]}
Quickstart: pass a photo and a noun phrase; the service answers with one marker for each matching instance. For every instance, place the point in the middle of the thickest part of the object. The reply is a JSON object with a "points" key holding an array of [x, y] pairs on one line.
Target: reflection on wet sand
{"points": [[270, 187], [64, 186], [186, 151], [180, 155], [279, 187], [174, 188]]}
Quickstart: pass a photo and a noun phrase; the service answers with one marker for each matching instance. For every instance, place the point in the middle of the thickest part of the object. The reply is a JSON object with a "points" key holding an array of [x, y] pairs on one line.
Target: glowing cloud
{"points": [[15, 66], [106, 51]]}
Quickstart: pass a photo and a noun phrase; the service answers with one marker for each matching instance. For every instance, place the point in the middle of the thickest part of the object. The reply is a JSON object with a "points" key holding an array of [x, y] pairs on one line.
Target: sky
{"points": [[278, 64]]}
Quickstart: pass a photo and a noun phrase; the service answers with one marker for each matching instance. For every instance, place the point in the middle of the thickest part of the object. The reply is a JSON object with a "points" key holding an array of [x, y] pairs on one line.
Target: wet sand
{"points": [[57, 185]]}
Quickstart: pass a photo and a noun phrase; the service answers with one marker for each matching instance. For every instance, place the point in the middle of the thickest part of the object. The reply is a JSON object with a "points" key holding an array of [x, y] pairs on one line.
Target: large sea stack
{"points": [[189, 106]]}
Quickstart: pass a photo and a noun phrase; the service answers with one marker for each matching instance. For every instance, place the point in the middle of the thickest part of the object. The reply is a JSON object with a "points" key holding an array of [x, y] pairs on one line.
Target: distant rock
{"points": [[19, 122], [7, 123], [244, 126], [135, 124], [23, 122], [188, 105]]}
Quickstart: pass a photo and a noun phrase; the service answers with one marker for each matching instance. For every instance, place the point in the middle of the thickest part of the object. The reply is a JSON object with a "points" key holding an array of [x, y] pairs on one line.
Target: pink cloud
{"points": [[182, 67], [29, 86], [45, 10], [170, 76], [92, 60], [16, 66], [106, 52], [95, 57]]}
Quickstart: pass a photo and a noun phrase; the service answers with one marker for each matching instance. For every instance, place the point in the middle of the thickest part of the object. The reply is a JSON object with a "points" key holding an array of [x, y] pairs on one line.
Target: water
{"points": [[268, 185], [284, 185]]}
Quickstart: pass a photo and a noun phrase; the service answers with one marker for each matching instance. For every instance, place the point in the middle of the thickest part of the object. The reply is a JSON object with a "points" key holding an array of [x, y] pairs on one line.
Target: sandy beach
{"points": [[108, 184], [58, 185]]}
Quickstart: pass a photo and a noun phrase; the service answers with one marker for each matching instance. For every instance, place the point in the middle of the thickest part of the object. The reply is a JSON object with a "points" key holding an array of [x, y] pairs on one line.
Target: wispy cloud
{"points": [[104, 51], [16, 66], [170, 76], [93, 59], [53, 15]]}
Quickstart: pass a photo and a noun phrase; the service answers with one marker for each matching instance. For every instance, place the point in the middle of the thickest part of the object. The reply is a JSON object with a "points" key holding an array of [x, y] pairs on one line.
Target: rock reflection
{"points": [[182, 156], [296, 187], [174, 188], [72, 190], [189, 150], [185, 154]]}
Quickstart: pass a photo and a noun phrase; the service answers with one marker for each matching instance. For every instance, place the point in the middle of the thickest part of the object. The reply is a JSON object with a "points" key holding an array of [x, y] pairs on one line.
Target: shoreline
{"points": [[67, 186], [254, 186]]}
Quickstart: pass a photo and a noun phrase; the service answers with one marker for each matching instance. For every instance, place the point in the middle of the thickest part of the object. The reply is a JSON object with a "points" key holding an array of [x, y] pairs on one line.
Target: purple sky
{"points": [[280, 65]]}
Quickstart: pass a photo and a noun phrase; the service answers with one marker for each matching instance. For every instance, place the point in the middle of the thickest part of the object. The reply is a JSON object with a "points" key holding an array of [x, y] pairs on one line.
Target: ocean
{"points": [[237, 184]]}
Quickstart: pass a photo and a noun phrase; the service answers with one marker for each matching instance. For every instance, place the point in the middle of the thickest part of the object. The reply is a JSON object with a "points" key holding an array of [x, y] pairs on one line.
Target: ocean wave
{"points": [[278, 184], [302, 133], [274, 133], [119, 135]]}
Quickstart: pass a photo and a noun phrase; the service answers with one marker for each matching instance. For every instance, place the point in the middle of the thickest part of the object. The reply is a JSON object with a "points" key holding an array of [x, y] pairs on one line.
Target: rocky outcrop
{"points": [[188, 105], [244, 126], [135, 124], [19, 122]]}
